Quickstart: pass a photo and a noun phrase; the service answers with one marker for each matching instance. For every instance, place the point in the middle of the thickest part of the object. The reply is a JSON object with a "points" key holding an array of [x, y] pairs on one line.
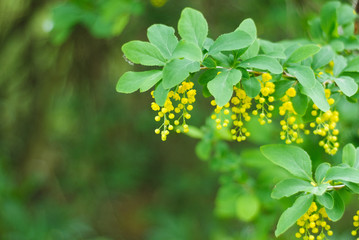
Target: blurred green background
{"points": [[80, 161]]}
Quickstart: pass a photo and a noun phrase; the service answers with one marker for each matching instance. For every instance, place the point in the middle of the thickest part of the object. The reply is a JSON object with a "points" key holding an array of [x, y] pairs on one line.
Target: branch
{"points": [[336, 187]]}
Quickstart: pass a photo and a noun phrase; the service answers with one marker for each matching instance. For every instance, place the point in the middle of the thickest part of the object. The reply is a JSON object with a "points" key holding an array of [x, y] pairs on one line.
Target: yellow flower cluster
{"points": [[312, 225], [238, 108], [356, 224], [176, 109], [264, 100], [291, 127], [325, 126]]}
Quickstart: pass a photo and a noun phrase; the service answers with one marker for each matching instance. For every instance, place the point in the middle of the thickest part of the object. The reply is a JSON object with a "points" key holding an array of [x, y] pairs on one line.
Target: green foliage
{"points": [[104, 18], [309, 76], [292, 214]]}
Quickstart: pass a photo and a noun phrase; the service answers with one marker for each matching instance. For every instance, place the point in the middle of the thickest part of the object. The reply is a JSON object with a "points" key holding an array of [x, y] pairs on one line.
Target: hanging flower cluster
{"points": [[176, 109], [264, 100], [325, 125], [238, 109], [356, 224], [313, 224], [291, 127]]}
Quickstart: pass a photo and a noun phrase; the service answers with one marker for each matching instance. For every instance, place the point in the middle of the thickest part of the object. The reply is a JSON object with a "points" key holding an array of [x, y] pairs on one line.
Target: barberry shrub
{"points": [[297, 83]]}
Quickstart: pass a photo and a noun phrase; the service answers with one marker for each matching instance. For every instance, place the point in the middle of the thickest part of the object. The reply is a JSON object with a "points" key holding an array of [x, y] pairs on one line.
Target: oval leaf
{"points": [[263, 63], [187, 50], [304, 74], [247, 207], [160, 94], [321, 172], [163, 37], [323, 57], [317, 94], [303, 52], [192, 26], [349, 155], [248, 26], [288, 187], [292, 214], [343, 173], [132, 81], [338, 209], [353, 65], [294, 159], [251, 86], [347, 85], [177, 70], [221, 87], [326, 200], [143, 53], [300, 103], [231, 41]]}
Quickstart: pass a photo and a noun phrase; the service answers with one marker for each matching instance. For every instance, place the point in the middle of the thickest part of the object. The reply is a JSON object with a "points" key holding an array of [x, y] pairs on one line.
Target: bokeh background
{"points": [[80, 161]]}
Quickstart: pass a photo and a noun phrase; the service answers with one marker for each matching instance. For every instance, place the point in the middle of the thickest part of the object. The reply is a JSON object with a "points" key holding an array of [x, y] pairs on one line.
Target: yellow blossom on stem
{"points": [[325, 125], [313, 224], [175, 110]]}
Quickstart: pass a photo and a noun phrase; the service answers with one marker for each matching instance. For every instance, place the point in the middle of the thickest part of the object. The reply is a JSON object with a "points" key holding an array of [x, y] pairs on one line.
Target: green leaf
{"points": [[300, 103], [356, 163], [304, 74], [303, 52], [247, 207], [288, 187], [209, 62], [231, 41], [177, 70], [292, 214], [143, 53], [352, 186], [345, 14], [163, 37], [328, 18], [321, 172], [195, 132], [226, 200], [294, 159], [269, 47], [347, 85], [353, 65], [263, 63], [317, 94], [338, 209], [326, 200], [132, 81], [192, 26], [337, 45], [349, 155], [315, 28], [320, 189], [323, 57], [281, 87], [252, 51], [187, 50], [221, 87], [343, 173], [208, 75], [208, 43], [251, 86], [203, 149], [339, 64], [248, 26], [160, 94]]}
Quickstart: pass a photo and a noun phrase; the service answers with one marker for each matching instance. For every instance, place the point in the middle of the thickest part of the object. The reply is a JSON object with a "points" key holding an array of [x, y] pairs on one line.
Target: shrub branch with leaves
{"points": [[298, 82]]}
